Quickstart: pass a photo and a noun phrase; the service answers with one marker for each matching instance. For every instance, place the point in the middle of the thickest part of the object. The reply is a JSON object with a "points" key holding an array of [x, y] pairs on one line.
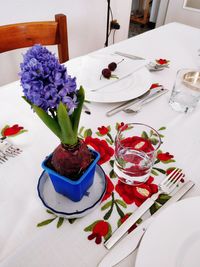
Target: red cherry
{"points": [[112, 66], [106, 73]]}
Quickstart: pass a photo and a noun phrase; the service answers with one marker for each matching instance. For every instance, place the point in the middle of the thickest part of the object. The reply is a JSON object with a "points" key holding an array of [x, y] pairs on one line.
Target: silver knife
{"points": [[131, 241], [129, 56], [134, 101]]}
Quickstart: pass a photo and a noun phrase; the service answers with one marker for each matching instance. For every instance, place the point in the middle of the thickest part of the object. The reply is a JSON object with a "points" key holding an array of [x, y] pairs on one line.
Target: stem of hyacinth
{"points": [[69, 124]]}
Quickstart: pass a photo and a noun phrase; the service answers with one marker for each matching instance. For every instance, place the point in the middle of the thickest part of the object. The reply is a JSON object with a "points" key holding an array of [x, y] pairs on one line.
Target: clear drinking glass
{"points": [[135, 151], [186, 91]]}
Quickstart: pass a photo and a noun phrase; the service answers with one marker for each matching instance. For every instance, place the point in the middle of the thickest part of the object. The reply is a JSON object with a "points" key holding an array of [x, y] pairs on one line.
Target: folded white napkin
{"points": [[90, 73]]}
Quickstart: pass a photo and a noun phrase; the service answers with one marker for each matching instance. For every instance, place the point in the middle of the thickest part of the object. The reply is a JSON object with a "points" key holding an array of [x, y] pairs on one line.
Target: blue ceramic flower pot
{"points": [[74, 190]]}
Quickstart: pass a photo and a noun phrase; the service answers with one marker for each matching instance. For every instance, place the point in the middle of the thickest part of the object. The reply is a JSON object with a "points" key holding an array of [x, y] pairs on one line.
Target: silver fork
{"points": [[166, 186], [7, 149]]}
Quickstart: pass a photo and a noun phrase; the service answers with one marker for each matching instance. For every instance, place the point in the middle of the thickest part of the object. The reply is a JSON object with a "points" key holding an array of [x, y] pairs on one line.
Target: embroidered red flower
{"points": [[121, 125], [162, 61], [136, 194], [12, 130], [106, 152], [109, 189], [154, 85], [164, 156], [103, 130], [100, 229]]}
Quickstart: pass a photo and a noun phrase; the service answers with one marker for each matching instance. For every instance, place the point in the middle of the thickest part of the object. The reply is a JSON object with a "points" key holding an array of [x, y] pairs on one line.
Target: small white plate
{"points": [[64, 207], [173, 239], [134, 78]]}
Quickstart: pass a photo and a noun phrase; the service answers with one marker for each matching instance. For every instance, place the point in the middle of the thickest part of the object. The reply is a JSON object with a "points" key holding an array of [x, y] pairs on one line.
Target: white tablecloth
{"points": [[21, 242]]}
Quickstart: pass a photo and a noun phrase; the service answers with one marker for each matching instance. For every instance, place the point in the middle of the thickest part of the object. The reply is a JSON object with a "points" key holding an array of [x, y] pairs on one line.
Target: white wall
{"points": [[86, 25], [177, 13]]}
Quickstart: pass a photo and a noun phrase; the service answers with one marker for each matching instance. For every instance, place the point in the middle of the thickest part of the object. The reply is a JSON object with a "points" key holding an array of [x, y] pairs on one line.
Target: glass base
{"points": [[181, 107]]}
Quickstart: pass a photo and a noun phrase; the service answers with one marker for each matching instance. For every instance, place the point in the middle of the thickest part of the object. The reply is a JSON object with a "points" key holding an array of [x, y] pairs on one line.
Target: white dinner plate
{"points": [[173, 239], [134, 78], [63, 206]]}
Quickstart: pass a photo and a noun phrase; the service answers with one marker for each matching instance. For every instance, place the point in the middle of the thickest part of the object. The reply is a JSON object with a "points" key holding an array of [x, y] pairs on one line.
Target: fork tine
{"points": [[178, 178], [170, 177]]}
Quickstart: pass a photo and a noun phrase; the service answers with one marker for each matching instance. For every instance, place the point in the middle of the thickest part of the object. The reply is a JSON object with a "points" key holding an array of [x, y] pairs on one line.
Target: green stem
{"points": [[111, 139], [120, 212]]}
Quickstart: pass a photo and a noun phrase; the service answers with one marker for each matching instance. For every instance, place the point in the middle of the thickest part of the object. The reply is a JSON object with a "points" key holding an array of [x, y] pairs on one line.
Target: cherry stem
{"points": [[120, 61]]}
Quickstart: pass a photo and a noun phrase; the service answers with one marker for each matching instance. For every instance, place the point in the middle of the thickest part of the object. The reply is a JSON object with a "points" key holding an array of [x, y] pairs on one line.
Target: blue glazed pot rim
{"points": [[76, 182], [78, 213]]}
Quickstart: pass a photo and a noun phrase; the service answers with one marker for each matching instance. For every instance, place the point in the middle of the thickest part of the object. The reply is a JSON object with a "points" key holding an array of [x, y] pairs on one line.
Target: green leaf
{"points": [[60, 222], [154, 141], [154, 208], [48, 120], [45, 222], [154, 172], [107, 215], [159, 170], [163, 198], [168, 161], [81, 129], [109, 141], [91, 226], [120, 212], [112, 174], [75, 117], [51, 212], [107, 205], [67, 135], [121, 202], [88, 132], [157, 161], [71, 221], [144, 135], [111, 163], [4, 128], [162, 128]]}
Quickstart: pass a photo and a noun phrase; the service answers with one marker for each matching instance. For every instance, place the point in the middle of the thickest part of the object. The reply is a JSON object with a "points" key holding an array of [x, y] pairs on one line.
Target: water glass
{"points": [[136, 145], [186, 91]]}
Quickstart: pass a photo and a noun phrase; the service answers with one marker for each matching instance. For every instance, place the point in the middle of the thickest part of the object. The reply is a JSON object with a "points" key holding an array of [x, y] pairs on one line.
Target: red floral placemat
{"points": [[120, 200]]}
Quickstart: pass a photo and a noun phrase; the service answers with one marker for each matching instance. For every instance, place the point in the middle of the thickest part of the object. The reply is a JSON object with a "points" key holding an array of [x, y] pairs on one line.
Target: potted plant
{"points": [[55, 98]]}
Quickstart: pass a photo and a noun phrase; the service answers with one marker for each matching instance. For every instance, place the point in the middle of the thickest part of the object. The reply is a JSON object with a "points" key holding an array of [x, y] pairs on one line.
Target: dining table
{"points": [[31, 233]]}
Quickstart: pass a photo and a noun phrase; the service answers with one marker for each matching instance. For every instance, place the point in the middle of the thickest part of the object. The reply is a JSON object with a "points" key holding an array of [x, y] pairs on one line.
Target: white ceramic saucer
{"points": [[64, 207]]}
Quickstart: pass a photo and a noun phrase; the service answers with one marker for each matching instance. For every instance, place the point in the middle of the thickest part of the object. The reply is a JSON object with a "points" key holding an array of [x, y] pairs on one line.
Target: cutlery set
{"points": [[134, 105], [166, 186], [132, 240], [7, 149]]}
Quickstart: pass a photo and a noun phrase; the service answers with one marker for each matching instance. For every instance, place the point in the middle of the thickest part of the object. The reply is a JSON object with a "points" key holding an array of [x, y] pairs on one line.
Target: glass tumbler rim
{"points": [[141, 124]]}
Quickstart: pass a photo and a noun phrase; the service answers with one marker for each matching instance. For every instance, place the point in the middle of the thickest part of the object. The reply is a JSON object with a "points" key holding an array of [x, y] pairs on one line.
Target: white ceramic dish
{"points": [[173, 240], [64, 207], [134, 78]]}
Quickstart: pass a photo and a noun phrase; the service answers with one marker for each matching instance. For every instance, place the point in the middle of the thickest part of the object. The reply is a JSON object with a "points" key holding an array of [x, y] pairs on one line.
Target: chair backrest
{"points": [[27, 34]]}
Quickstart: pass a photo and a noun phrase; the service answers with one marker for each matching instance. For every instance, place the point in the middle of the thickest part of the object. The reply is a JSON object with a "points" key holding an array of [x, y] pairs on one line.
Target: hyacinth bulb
{"points": [[71, 161]]}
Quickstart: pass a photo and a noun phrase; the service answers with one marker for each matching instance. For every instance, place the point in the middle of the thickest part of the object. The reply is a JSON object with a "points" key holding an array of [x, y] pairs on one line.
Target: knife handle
{"points": [[121, 250], [121, 231]]}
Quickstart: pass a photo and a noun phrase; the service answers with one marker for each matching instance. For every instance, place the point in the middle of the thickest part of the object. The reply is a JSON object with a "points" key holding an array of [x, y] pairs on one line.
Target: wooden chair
{"points": [[27, 34]]}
